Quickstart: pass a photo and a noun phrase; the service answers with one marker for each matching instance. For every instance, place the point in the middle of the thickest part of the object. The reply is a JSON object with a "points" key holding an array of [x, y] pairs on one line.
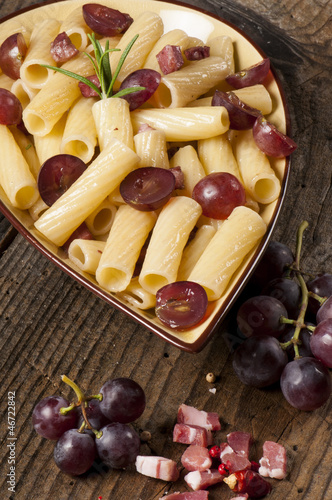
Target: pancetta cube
{"points": [[192, 416], [274, 461], [196, 458], [191, 434], [240, 442], [157, 467], [187, 495], [170, 59], [233, 461], [200, 480]]}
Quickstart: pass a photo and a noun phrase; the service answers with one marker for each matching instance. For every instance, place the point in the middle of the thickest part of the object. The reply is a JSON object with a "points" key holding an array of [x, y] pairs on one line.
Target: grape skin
{"points": [[10, 108], [105, 20], [118, 446], [321, 342], [288, 292], [325, 311], [250, 76], [12, 53], [48, 421], [322, 286], [275, 260], [261, 316], [306, 383], [148, 78], [270, 140], [123, 400], [75, 452]]}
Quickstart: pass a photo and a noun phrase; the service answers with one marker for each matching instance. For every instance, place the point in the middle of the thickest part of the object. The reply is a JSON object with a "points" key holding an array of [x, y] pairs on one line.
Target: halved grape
{"points": [[105, 20], [47, 419], [321, 342], [75, 452], [270, 140], [241, 116], [147, 78], [250, 76], [261, 316], [218, 194], [118, 445], [57, 174], [306, 383], [147, 188], [12, 53], [181, 305], [123, 400], [10, 108]]}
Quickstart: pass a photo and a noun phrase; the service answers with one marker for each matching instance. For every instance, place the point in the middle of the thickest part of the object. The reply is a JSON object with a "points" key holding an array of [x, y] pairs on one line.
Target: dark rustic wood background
{"points": [[51, 325]]}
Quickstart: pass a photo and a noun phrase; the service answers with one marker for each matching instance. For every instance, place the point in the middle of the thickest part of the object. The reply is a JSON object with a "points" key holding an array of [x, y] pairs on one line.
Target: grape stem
{"points": [[82, 400]]}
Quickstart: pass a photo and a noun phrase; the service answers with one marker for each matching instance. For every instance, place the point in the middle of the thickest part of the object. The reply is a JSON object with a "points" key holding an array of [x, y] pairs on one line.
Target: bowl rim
{"points": [[219, 318]]}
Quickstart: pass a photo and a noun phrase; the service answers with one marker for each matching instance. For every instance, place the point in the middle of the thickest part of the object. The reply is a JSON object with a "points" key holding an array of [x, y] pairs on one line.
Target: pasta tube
{"points": [[17, 181], [27, 149], [129, 231], [173, 37], [23, 92], [184, 124], [194, 250], [102, 176], [151, 147], [169, 236], [193, 171], [235, 238], [112, 120], [222, 46], [101, 219], [76, 28], [136, 296], [86, 254], [49, 145]]}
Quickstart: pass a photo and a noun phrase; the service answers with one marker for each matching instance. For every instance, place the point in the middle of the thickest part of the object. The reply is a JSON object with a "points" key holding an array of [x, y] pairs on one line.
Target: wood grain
{"points": [[51, 325]]}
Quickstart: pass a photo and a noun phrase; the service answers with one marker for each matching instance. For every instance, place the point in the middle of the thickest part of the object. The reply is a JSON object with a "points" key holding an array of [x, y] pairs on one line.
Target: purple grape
{"points": [[12, 53], [306, 383], [96, 418], [118, 446], [147, 188], [57, 174], [259, 361], [218, 194], [270, 140], [123, 400], [181, 304], [250, 76], [10, 108], [304, 346], [321, 285], [75, 452], [147, 78], [325, 310], [47, 419], [275, 261], [321, 342], [104, 20], [288, 292], [241, 116], [261, 316]]}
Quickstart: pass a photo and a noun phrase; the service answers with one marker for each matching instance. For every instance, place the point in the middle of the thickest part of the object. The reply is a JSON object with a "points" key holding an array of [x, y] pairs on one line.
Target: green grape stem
{"points": [[82, 401]]}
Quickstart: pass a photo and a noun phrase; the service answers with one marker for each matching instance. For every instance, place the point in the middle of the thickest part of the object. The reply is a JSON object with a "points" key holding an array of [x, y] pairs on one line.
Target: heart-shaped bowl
{"points": [[201, 25]]}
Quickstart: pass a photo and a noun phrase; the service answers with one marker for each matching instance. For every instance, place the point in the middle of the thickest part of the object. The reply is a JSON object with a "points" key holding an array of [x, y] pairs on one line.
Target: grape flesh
{"points": [[250, 76], [181, 304], [57, 174], [75, 452], [147, 78], [321, 342], [10, 108], [325, 311], [118, 445], [123, 400], [105, 20], [276, 259], [259, 361], [306, 383], [241, 116], [321, 285], [288, 292], [12, 53], [270, 140], [47, 419], [147, 188], [261, 316], [218, 194]]}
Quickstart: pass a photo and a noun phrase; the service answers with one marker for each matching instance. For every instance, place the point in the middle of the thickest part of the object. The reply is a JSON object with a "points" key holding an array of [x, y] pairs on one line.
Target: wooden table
{"points": [[51, 325]]}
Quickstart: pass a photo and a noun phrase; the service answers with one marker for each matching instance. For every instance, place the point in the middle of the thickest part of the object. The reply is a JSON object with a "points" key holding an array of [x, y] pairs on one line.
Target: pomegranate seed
{"points": [[214, 451]]}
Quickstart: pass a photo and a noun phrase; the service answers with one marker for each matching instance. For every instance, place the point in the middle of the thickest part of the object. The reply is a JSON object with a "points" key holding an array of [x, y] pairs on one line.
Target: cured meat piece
{"points": [[170, 59], [240, 442], [200, 480], [233, 461], [157, 467], [62, 48], [197, 53], [191, 434], [196, 458], [241, 497], [192, 416], [274, 461], [188, 495]]}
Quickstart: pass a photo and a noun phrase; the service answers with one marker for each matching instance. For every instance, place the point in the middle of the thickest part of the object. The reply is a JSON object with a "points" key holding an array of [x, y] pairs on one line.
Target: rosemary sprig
{"points": [[102, 67]]}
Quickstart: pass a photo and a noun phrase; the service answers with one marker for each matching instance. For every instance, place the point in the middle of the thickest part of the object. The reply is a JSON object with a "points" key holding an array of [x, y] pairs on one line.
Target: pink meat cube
{"points": [[187, 495], [274, 461], [200, 480], [240, 442], [192, 416], [233, 461], [157, 467], [191, 434], [170, 59], [196, 458]]}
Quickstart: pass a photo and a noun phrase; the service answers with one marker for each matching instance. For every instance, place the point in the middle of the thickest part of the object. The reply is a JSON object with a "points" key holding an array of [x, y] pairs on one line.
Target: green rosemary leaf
{"points": [[75, 76], [129, 90], [121, 61], [105, 62], [96, 47]]}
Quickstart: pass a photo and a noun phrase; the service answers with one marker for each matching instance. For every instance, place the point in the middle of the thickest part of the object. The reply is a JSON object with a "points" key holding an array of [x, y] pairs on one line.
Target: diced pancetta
{"points": [[240, 442], [191, 434], [200, 480], [157, 467], [197, 53], [244, 496], [192, 416], [62, 48], [232, 460], [274, 461], [170, 59], [196, 458], [187, 495]]}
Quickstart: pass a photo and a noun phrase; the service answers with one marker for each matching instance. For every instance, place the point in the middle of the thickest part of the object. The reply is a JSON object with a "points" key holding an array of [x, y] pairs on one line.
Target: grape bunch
{"points": [[95, 427], [287, 329]]}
